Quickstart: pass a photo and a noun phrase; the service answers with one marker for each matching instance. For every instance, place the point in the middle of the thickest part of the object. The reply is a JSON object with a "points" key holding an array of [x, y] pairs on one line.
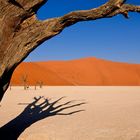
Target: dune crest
{"points": [[86, 71]]}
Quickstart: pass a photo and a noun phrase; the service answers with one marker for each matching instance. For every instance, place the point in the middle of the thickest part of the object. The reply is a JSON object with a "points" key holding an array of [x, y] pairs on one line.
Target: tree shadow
{"points": [[39, 109]]}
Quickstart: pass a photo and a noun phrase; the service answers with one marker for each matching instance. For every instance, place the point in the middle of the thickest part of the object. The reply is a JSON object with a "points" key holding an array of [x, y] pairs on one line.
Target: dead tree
{"points": [[24, 81], [40, 83], [35, 86], [10, 87], [21, 32]]}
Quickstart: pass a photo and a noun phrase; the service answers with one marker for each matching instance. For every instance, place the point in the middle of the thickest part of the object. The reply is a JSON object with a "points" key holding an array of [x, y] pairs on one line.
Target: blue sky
{"points": [[116, 39]]}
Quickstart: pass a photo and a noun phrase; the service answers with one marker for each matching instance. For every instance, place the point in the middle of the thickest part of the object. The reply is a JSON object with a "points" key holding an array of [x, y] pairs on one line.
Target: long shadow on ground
{"points": [[34, 112]]}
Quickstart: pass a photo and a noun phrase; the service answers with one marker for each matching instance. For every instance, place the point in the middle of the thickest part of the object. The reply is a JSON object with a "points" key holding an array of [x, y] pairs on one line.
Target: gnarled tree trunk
{"points": [[21, 32]]}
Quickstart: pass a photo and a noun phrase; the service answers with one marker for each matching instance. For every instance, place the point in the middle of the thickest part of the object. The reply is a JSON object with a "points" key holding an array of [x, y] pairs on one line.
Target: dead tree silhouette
{"points": [[33, 113]]}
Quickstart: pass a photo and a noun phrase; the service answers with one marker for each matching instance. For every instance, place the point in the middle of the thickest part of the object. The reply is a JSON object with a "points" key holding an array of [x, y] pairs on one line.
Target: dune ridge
{"points": [[85, 71]]}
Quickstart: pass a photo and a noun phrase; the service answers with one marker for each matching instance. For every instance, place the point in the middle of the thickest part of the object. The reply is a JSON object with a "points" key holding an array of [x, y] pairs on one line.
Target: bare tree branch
{"points": [[124, 9], [85, 15], [54, 26], [32, 5]]}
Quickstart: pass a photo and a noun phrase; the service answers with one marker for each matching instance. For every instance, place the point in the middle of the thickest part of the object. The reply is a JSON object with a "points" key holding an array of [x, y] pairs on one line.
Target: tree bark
{"points": [[21, 32], [4, 83]]}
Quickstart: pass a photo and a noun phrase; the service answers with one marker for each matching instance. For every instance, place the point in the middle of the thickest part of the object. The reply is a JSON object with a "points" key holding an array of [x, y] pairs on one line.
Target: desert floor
{"points": [[94, 113]]}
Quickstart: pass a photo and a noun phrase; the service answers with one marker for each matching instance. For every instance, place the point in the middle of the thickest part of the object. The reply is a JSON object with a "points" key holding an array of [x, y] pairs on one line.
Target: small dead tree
{"points": [[40, 83], [10, 87], [35, 86], [24, 81], [21, 32]]}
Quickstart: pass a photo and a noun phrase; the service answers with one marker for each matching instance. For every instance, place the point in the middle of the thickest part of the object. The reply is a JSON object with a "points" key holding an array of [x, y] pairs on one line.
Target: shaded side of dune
{"points": [[87, 71]]}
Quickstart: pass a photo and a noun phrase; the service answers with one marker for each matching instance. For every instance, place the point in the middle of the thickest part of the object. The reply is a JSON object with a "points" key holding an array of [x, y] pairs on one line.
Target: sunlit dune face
{"points": [[88, 71]]}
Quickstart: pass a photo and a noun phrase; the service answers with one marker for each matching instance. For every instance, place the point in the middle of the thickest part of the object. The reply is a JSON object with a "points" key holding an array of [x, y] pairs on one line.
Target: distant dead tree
{"points": [[10, 87], [40, 83], [21, 32], [24, 81]]}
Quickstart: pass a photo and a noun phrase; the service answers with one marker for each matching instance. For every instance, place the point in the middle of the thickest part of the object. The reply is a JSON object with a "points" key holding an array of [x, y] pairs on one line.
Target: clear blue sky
{"points": [[116, 39]]}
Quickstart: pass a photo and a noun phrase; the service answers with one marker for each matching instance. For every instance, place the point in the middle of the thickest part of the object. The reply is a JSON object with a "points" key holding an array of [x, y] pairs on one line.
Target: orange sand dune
{"points": [[87, 71]]}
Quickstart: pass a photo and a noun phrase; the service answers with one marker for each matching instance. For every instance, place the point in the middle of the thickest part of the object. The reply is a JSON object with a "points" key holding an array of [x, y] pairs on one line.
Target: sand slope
{"points": [[87, 71]]}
